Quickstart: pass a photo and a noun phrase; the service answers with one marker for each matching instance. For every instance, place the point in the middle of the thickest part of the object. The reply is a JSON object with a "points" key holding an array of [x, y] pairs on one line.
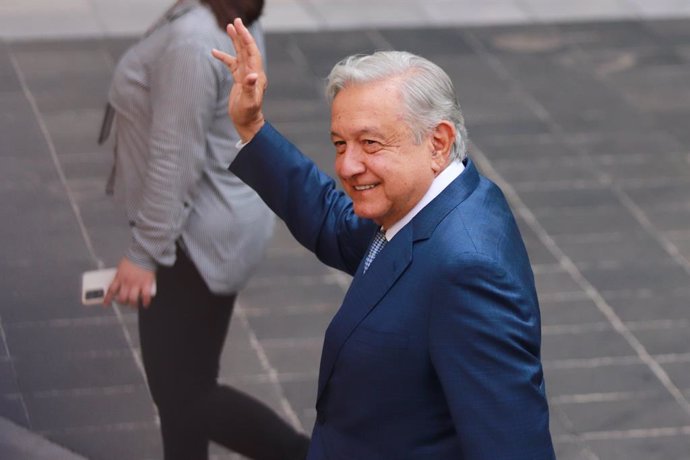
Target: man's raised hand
{"points": [[249, 81]]}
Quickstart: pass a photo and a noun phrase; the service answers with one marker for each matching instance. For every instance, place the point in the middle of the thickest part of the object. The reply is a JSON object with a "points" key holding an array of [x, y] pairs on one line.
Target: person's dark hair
{"points": [[226, 11]]}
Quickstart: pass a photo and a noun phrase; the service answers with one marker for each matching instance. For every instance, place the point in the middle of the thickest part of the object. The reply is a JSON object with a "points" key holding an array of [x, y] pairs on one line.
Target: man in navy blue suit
{"points": [[435, 351]]}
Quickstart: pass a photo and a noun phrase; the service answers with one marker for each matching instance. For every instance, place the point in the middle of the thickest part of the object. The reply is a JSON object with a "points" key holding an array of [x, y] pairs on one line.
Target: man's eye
{"points": [[339, 145], [371, 146]]}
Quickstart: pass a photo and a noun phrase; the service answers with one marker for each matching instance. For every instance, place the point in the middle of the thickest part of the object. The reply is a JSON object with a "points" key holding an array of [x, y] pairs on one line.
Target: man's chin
{"points": [[368, 214]]}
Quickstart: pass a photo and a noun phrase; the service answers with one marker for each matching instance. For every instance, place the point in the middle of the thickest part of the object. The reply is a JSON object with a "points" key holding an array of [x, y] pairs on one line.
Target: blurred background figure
{"points": [[197, 232]]}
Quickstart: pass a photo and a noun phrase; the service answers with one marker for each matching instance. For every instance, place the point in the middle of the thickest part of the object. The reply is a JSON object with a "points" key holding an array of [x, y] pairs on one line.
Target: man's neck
{"points": [[439, 184]]}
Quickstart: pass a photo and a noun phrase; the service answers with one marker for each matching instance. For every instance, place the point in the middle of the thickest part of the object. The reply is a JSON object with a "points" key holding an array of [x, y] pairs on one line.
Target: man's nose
{"points": [[350, 163]]}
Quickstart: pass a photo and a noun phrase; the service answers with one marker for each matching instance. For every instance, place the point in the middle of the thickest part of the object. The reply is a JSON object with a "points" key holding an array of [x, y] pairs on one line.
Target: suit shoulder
{"points": [[479, 231]]}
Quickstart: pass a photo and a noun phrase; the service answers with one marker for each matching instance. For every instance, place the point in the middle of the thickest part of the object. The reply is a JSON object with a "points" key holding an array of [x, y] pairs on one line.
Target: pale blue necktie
{"points": [[376, 246]]}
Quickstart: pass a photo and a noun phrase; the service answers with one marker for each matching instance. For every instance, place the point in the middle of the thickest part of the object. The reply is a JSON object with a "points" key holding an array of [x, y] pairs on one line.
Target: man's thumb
{"points": [[250, 81]]}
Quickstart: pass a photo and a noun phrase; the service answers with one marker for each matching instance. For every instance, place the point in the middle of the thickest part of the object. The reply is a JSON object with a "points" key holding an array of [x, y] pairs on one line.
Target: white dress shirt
{"points": [[440, 182]]}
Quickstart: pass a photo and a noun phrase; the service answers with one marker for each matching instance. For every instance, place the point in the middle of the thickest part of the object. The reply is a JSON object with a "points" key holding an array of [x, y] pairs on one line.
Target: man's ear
{"points": [[442, 138]]}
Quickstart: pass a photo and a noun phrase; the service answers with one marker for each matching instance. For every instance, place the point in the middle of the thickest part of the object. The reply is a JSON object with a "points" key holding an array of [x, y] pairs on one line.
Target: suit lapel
{"points": [[366, 290]]}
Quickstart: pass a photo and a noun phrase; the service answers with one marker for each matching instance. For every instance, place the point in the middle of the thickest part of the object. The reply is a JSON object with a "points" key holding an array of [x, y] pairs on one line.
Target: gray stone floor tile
{"points": [[671, 219], [671, 166], [662, 447], [441, 43], [288, 267], [679, 372], [40, 65], [42, 373], [76, 132], [64, 411], [649, 144], [682, 244], [285, 108], [296, 357], [612, 381], [650, 196], [288, 15], [12, 407], [585, 345], [507, 149], [58, 339], [538, 253], [8, 377], [636, 414], [674, 123], [541, 175], [133, 442], [569, 450], [21, 134], [29, 297], [547, 10], [338, 15], [637, 277], [302, 396], [649, 304], [569, 199], [297, 325], [239, 356], [453, 11], [667, 340], [573, 312], [507, 130], [615, 249], [79, 93], [586, 221], [321, 298], [609, 34], [332, 46], [555, 281]]}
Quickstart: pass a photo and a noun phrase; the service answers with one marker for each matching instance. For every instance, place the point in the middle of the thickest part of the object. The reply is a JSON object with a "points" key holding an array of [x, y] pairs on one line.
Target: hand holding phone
{"points": [[95, 284]]}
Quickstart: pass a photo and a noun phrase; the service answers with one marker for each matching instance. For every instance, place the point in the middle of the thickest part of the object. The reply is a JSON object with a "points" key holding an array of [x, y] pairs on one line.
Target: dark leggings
{"points": [[182, 334]]}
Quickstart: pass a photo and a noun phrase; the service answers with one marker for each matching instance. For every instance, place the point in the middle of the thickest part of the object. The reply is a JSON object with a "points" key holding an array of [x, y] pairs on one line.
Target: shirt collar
{"points": [[440, 182]]}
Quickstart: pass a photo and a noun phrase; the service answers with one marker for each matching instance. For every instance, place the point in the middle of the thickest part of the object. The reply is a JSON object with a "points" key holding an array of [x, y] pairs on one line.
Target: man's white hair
{"points": [[426, 89]]}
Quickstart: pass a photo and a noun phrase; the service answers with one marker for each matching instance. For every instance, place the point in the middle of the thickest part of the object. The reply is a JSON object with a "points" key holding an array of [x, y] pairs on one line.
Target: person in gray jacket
{"points": [[196, 231]]}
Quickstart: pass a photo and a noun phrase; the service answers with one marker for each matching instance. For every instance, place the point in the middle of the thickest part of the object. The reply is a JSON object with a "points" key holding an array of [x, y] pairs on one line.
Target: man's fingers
{"points": [[245, 45], [248, 44], [225, 58], [232, 33]]}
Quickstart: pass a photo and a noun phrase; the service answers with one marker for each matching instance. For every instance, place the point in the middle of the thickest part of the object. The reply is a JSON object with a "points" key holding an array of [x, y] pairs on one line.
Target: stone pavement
{"points": [[583, 124]]}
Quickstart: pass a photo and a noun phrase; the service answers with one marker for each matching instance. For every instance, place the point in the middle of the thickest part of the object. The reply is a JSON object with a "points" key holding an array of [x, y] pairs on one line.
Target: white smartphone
{"points": [[95, 283]]}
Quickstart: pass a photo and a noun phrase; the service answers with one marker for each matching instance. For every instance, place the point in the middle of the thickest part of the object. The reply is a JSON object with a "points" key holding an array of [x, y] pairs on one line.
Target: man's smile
{"points": [[361, 188]]}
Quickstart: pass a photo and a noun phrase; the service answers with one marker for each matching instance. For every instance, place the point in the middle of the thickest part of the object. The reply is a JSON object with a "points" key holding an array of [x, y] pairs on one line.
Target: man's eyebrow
{"points": [[359, 132]]}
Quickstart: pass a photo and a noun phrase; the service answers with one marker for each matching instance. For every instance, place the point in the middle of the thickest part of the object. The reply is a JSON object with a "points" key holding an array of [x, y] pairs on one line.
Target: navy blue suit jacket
{"points": [[434, 353]]}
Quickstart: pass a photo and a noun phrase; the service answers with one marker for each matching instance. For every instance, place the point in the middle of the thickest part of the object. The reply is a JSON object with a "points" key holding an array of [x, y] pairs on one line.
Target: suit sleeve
{"points": [[318, 215], [484, 333]]}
